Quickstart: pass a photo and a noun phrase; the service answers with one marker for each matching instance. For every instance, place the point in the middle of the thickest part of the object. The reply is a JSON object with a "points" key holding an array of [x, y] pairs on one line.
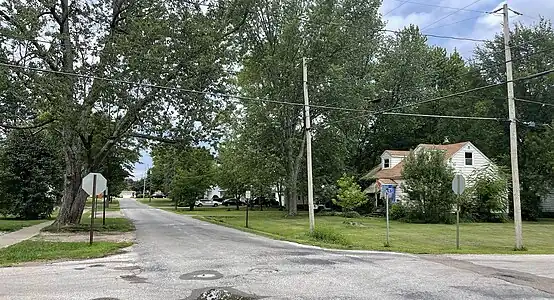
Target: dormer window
{"points": [[469, 158], [386, 163]]}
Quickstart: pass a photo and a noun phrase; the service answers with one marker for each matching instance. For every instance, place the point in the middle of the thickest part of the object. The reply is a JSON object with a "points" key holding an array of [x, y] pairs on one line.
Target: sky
{"points": [[443, 17]]}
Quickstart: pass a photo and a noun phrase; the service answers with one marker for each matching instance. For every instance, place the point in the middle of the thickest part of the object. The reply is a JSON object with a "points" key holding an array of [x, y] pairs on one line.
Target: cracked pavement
{"points": [[178, 257]]}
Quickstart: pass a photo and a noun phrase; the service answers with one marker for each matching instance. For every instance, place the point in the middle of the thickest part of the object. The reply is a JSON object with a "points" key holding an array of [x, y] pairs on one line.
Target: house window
{"points": [[469, 158], [386, 163]]}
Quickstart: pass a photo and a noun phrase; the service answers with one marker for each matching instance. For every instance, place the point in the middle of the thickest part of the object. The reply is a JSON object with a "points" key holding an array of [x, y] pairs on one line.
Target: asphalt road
{"points": [[177, 257]]}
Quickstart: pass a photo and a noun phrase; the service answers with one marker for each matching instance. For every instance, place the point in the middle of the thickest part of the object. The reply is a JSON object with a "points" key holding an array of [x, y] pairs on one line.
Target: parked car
{"points": [[158, 195], [233, 202], [207, 202]]}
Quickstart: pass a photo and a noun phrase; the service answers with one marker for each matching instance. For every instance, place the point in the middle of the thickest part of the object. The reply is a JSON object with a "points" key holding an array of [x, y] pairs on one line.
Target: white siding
{"points": [[400, 195], [457, 161], [394, 160], [548, 203]]}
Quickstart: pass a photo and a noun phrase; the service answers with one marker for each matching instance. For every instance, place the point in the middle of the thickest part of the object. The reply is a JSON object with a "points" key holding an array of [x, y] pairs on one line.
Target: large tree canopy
{"points": [[139, 46]]}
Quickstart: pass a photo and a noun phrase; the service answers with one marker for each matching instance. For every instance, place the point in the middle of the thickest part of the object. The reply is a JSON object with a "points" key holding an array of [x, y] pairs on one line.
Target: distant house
{"points": [[214, 191], [464, 157]]}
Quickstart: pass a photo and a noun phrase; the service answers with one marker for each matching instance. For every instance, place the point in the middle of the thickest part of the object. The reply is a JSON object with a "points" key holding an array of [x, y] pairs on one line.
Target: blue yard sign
{"points": [[389, 191]]}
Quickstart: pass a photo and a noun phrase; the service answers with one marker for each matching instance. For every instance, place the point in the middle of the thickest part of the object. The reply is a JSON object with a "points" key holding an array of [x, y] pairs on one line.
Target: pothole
{"points": [[219, 293], [134, 278], [79, 269], [128, 268], [264, 270], [202, 275], [96, 266]]}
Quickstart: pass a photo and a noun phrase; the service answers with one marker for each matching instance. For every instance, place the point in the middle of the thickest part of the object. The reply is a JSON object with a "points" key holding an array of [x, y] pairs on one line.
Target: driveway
{"points": [[177, 257]]}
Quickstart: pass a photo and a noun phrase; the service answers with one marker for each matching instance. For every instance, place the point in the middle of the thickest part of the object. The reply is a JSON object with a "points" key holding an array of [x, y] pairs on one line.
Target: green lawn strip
{"points": [[9, 225], [369, 233], [157, 202], [112, 225], [42, 251], [113, 206]]}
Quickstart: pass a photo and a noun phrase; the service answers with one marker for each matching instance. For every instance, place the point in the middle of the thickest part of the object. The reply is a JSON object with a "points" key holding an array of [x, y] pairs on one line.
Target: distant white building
{"points": [[214, 191]]}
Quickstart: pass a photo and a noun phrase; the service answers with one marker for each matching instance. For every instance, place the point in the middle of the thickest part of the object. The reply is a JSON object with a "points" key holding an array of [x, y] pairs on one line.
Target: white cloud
{"points": [[470, 24]]}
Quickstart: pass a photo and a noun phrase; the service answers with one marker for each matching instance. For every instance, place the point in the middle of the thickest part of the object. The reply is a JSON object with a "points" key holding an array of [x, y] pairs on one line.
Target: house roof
{"points": [[396, 171], [450, 149], [392, 173], [387, 181], [397, 152]]}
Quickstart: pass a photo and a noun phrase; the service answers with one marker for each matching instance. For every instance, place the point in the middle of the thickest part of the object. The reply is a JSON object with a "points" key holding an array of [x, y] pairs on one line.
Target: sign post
{"points": [[92, 184], [247, 204], [458, 186]]}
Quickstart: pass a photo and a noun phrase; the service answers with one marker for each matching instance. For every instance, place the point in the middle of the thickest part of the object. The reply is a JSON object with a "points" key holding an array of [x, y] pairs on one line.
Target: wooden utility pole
{"points": [[513, 131], [308, 146]]}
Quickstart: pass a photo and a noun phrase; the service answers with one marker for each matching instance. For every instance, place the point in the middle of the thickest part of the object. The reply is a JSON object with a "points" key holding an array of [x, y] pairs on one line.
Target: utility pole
{"points": [[513, 131], [144, 184], [308, 146]]}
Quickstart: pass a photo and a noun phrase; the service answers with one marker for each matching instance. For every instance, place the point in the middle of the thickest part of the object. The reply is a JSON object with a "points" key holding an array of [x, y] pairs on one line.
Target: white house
{"points": [[214, 191], [464, 157]]}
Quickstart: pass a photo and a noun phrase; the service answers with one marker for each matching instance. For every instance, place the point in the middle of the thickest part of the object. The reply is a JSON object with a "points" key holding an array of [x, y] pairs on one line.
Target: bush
{"points": [[486, 200], [398, 212], [329, 236], [350, 195], [351, 214], [428, 183]]}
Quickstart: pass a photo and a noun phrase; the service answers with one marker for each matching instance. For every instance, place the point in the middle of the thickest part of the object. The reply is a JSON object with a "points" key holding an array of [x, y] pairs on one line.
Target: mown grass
{"points": [[369, 233], [112, 206], [112, 225], [9, 225], [43, 251]]}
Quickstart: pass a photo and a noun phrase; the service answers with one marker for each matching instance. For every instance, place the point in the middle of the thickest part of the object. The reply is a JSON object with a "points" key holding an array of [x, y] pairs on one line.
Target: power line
{"points": [[450, 14], [217, 94], [440, 36], [397, 7], [450, 24], [534, 102], [445, 116], [448, 7]]}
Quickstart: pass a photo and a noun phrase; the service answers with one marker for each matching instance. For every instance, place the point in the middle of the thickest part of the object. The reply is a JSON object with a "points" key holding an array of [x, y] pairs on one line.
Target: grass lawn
{"points": [[113, 206], [369, 233], [9, 225], [112, 224], [41, 251]]}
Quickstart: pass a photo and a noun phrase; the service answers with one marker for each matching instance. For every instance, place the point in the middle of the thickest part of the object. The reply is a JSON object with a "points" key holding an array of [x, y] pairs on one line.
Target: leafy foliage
{"points": [[350, 195], [428, 183], [487, 198], [30, 175]]}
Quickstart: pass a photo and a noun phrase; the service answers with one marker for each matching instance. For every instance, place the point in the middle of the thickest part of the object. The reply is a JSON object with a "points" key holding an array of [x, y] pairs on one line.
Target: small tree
{"points": [[428, 183], [350, 194], [30, 175], [487, 198]]}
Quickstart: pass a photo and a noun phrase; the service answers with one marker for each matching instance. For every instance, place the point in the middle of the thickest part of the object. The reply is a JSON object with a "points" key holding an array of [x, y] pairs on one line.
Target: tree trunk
{"points": [[74, 197]]}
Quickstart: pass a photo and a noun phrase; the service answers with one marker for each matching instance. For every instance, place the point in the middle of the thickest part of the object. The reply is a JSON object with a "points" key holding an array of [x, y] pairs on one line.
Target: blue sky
{"points": [[443, 21]]}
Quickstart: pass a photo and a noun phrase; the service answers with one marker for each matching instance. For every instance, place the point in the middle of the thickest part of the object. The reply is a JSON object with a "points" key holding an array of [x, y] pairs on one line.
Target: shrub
{"points": [[351, 214], [350, 195], [428, 183], [398, 212], [486, 200], [329, 235]]}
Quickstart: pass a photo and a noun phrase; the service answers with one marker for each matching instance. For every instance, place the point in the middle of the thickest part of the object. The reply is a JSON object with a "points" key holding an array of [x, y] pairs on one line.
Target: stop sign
{"points": [[87, 183]]}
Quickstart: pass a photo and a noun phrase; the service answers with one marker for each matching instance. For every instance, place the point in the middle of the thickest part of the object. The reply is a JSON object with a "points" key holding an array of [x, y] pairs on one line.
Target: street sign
{"points": [[458, 184], [87, 183]]}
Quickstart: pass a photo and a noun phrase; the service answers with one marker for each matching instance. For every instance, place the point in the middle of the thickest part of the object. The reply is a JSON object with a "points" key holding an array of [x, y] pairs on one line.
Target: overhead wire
{"points": [[450, 14], [225, 95], [395, 8], [448, 7]]}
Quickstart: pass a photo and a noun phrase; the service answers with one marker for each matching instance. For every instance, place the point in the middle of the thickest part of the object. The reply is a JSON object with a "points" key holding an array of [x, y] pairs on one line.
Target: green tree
{"points": [[30, 175], [339, 39], [194, 174], [486, 199], [156, 43], [428, 184], [350, 195]]}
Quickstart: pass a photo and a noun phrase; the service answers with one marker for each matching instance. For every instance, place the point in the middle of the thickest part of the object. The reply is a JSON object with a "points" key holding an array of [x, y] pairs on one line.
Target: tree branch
{"points": [[156, 138], [41, 52], [42, 124]]}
